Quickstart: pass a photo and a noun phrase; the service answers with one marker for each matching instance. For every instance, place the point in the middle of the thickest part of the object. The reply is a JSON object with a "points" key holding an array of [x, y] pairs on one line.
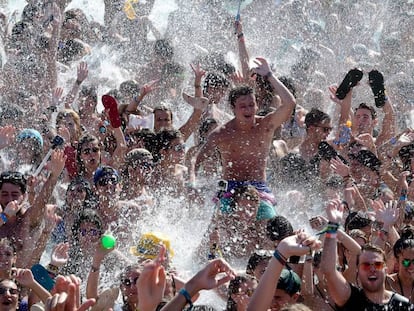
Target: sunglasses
{"points": [[325, 129], [108, 181], [90, 232], [407, 262], [129, 282], [12, 291], [90, 150], [179, 147], [366, 266]]}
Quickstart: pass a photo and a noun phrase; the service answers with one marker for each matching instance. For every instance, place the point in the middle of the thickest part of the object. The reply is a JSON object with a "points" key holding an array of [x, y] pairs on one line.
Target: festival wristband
{"points": [[187, 296]]}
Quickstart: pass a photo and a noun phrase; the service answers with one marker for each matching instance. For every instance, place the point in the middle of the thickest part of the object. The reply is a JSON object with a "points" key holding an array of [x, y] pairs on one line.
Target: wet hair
{"points": [[237, 92], [72, 50], [289, 84], [373, 249], [162, 141], [205, 128], [163, 108], [164, 49], [214, 80], [370, 108], [255, 259], [402, 244], [233, 288], [278, 228], [315, 117], [85, 185], [30, 11], [405, 154], [147, 137], [369, 160], [129, 89], [357, 233], [296, 307], [15, 178], [89, 91], [6, 242], [356, 220]]}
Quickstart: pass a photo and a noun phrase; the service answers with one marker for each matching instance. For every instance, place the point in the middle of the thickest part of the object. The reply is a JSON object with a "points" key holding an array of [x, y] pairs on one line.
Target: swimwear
{"points": [[267, 199]]}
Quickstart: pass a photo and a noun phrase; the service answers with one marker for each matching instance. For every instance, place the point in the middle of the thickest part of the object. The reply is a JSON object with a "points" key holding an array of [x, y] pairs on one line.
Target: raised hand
{"points": [[23, 276], [299, 244], [51, 218], [387, 213], [339, 167], [332, 89], [335, 211], [56, 95], [57, 162], [198, 71], [11, 209], [60, 254], [82, 72], [262, 68], [148, 88]]}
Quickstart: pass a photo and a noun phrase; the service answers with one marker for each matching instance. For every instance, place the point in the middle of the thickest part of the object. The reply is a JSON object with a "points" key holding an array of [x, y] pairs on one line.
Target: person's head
{"points": [[360, 237], [278, 228], [20, 36], [163, 50], [334, 187], [32, 13], [107, 182], [73, 50], [371, 268], [29, 147], [406, 155], [318, 124], [88, 100], [88, 154], [138, 166], [128, 90], [215, 86], [359, 220], [173, 75], [87, 228], [7, 256], [9, 295], [240, 290], [257, 263], [365, 119], [128, 285], [287, 290], [163, 118], [169, 147], [243, 104], [12, 187], [365, 167], [78, 191], [404, 254], [70, 119]]}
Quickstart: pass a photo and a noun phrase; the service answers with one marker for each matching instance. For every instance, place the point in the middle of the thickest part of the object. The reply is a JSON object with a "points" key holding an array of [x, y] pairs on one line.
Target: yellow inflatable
{"points": [[129, 9]]}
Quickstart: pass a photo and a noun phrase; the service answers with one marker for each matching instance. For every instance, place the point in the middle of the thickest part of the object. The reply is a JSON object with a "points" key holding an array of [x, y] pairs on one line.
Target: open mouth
{"points": [[372, 278]]}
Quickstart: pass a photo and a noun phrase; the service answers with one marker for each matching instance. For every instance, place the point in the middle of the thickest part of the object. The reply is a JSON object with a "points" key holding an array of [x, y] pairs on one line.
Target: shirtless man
{"points": [[244, 142]]}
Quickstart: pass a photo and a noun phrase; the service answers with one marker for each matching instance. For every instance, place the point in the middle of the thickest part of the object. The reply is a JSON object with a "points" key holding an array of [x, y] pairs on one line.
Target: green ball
{"points": [[108, 241]]}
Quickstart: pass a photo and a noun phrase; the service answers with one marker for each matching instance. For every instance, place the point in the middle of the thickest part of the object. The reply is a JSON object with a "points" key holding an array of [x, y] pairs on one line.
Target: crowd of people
{"points": [[305, 207]]}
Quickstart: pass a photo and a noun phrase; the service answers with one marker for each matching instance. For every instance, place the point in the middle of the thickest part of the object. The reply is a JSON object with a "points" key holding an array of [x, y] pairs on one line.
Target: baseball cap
{"points": [[289, 281], [30, 133]]}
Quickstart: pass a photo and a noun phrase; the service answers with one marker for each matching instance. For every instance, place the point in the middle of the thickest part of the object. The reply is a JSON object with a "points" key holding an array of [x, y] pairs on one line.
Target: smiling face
{"points": [[364, 122], [128, 285], [406, 262], [9, 295], [245, 108], [372, 271], [7, 256]]}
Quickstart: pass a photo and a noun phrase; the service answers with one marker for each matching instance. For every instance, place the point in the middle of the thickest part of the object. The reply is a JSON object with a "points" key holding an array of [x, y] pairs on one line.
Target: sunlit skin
{"points": [[129, 291], [88, 235], [7, 260], [10, 192], [8, 301], [245, 291], [363, 122], [314, 135], [162, 120], [281, 299], [372, 280], [70, 124], [405, 275], [91, 157]]}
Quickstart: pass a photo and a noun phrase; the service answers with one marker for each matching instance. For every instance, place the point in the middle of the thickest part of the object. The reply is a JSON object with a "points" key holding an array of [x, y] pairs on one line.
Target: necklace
{"points": [[402, 289]]}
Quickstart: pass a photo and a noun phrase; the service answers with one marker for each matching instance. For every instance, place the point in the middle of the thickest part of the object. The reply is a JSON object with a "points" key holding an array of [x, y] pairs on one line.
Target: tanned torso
{"points": [[244, 151]]}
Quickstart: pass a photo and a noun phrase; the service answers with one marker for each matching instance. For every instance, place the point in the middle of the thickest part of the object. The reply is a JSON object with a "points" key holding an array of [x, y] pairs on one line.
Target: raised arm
{"points": [[198, 104], [284, 112], [338, 288], [82, 74], [206, 151], [243, 53]]}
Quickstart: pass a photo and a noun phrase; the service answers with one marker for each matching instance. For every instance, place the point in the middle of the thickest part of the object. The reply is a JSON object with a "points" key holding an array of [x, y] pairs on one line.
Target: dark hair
{"points": [[205, 128], [162, 141], [278, 228], [373, 249], [233, 288], [255, 259], [315, 117], [356, 220], [370, 108], [15, 178], [289, 84], [238, 92], [406, 153], [402, 244], [87, 215], [129, 88], [164, 49], [214, 80], [29, 12], [368, 159]]}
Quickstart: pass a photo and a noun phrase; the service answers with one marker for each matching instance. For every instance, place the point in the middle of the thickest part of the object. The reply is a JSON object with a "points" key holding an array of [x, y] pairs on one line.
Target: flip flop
{"points": [[111, 107], [376, 82], [351, 79]]}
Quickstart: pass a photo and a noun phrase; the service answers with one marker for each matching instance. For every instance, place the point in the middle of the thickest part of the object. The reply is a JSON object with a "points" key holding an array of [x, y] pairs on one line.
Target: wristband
{"points": [[330, 235], [240, 35], [268, 75], [94, 269], [52, 268], [187, 296], [282, 259], [78, 82], [3, 217]]}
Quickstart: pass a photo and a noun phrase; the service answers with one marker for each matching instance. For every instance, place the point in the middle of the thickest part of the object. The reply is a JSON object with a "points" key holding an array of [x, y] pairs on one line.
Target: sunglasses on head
{"points": [[90, 150], [12, 291], [407, 262], [129, 282], [108, 181], [366, 266]]}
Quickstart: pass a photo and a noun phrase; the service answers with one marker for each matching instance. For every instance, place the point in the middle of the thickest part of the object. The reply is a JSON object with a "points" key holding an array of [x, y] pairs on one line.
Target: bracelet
{"points": [[197, 86], [268, 75], [187, 296], [136, 98], [308, 258], [330, 235], [403, 197], [78, 82], [94, 269], [240, 35], [282, 259], [3, 217]]}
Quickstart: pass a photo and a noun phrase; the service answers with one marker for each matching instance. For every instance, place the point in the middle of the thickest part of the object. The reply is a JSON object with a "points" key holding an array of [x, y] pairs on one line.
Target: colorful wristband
{"points": [[187, 296], [3, 217], [282, 259]]}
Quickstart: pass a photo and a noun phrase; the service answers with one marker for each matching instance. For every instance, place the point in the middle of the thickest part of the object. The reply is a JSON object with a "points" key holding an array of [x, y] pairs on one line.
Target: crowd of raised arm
{"points": [[294, 203]]}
